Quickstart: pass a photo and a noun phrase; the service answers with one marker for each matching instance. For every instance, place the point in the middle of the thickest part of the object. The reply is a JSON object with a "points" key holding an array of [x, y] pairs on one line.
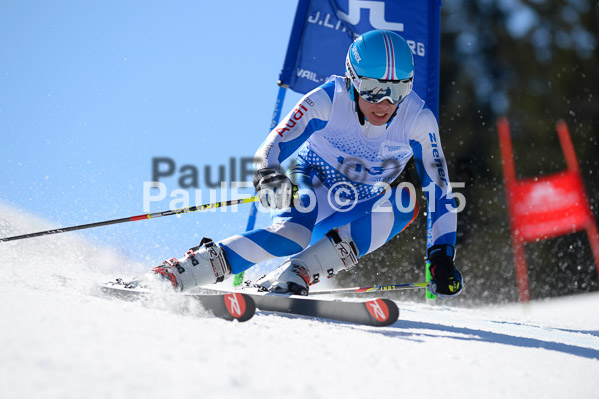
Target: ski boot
{"points": [[201, 265]]}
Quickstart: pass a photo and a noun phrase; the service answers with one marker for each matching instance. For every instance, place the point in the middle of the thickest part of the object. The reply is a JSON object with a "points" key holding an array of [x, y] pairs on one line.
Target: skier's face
{"points": [[379, 113]]}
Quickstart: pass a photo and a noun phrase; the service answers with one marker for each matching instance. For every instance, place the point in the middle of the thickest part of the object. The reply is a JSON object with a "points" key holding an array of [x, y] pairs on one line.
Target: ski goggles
{"points": [[376, 90]]}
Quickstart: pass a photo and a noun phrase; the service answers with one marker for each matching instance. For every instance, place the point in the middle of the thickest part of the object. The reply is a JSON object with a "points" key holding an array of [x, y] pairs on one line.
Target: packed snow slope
{"points": [[62, 339]]}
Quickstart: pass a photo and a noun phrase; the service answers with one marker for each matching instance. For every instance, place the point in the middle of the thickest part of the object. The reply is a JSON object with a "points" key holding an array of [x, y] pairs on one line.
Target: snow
{"points": [[62, 339]]}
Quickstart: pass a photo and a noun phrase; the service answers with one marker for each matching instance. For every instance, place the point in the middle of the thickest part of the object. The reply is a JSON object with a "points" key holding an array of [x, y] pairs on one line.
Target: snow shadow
{"points": [[472, 334], [587, 332]]}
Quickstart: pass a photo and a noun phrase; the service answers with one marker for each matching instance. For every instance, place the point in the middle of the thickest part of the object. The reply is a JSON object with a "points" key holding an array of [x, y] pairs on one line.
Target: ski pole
{"points": [[372, 288], [135, 218]]}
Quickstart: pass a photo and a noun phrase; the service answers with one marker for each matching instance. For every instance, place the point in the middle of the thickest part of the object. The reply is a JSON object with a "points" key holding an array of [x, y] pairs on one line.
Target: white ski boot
{"points": [[204, 264], [323, 259]]}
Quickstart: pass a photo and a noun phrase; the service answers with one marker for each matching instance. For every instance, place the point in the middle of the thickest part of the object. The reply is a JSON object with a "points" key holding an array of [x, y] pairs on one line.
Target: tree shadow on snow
{"points": [[398, 329], [472, 334], [587, 332]]}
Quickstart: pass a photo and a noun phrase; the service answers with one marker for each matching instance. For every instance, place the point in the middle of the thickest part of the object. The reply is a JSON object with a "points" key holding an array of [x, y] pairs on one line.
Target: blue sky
{"points": [[91, 92]]}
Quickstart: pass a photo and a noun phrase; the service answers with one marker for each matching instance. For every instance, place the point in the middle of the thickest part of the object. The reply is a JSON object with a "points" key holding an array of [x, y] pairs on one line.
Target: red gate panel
{"points": [[544, 207]]}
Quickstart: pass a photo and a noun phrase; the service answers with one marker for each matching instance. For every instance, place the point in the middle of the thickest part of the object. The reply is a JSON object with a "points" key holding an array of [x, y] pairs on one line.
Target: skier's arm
{"points": [[432, 170], [310, 114]]}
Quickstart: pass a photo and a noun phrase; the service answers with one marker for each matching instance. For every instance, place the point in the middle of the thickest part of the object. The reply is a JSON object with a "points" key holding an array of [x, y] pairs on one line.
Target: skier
{"points": [[355, 134]]}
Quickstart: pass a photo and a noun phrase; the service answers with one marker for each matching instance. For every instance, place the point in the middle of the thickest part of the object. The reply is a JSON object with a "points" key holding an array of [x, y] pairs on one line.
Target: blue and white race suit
{"points": [[343, 170]]}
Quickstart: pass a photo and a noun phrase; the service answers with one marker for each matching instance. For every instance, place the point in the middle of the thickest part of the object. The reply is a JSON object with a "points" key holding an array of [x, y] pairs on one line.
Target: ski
{"points": [[375, 312], [228, 306]]}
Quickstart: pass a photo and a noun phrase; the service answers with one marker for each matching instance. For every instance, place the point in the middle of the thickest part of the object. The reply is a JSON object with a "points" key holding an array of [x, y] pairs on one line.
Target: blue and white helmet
{"points": [[382, 55]]}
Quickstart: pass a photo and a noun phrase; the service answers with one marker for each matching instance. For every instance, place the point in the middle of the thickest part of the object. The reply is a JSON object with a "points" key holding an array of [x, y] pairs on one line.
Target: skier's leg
{"points": [[363, 229], [323, 259]]}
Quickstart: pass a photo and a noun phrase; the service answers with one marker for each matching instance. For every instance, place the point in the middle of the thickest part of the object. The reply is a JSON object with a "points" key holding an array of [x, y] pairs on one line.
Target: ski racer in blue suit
{"points": [[349, 139]]}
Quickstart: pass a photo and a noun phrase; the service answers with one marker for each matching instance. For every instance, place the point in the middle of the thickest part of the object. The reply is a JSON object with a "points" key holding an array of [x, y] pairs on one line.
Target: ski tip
{"points": [[383, 312]]}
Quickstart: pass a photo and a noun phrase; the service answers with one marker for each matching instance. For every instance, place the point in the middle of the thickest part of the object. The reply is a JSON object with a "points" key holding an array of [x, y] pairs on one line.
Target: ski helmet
{"points": [[379, 65]]}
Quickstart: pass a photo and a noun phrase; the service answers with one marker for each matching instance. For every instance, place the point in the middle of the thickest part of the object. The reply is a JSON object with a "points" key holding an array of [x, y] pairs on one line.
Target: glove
{"points": [[274, 188], [446, 280]]}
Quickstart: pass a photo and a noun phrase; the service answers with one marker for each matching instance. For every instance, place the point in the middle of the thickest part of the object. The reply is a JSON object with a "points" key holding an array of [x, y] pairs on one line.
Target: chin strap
{"points": [[350, 88], [361, 117]]}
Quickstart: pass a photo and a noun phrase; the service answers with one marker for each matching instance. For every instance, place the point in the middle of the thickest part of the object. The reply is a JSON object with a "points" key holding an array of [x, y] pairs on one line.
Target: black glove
{"points": [[274, 188], [446, 280]]}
